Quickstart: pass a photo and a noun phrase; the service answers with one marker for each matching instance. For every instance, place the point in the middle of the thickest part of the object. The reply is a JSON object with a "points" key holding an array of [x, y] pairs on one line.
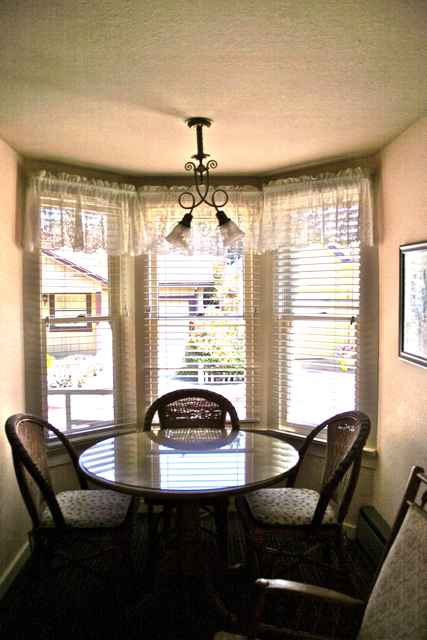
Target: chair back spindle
{"points": [[342, 434]]}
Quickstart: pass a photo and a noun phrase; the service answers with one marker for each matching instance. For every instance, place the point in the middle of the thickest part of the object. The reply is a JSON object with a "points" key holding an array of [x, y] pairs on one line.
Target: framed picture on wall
{"points": [[413, 303]]}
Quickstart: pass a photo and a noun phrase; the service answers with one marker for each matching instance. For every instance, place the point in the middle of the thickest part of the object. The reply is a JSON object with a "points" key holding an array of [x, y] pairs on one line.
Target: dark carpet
{"points": [[70, 602]]}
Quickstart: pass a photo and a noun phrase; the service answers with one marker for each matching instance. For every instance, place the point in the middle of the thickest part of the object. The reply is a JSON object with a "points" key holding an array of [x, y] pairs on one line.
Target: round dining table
{"points": [[187, 466]]}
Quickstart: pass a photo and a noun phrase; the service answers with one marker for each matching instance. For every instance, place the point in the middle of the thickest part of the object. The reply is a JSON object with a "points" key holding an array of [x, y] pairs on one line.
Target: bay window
{"points": [[283, 323]]}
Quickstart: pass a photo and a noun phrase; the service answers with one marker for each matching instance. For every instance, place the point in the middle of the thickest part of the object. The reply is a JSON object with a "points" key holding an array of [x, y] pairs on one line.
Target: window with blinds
{"points": [[85, 349], [316, 337], [200, 327]]}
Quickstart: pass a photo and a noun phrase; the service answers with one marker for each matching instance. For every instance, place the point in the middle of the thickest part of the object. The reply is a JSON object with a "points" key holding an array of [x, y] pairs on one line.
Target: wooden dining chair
{"points": [[289, 515], [395, 610], [207, 412], [76, 525]]}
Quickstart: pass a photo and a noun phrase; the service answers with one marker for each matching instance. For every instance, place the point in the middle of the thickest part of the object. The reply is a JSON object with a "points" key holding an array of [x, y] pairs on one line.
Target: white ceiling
{"points": [[108, 84]]}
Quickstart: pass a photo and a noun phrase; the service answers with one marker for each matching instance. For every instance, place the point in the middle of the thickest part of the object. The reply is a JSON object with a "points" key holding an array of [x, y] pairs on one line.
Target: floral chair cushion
{"points": [[288, 506], [89, 509]]}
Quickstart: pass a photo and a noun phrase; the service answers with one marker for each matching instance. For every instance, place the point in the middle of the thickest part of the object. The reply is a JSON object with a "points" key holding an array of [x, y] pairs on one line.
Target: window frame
{"points": [[368, 341], [121, 315], [88, 327]]}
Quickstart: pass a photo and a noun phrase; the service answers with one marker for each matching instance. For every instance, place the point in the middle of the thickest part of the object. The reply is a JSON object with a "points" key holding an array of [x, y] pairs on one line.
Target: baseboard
{"points": [[14, 568]]}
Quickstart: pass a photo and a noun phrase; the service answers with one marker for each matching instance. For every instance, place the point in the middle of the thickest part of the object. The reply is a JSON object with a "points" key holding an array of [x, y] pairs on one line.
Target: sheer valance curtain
{"points": [[85, 215]]}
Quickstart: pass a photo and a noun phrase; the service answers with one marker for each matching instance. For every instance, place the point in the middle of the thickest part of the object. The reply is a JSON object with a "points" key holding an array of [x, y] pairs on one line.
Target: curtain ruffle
{"points": [[159, 211], [86, 215], [81, 214], [328, 209]]}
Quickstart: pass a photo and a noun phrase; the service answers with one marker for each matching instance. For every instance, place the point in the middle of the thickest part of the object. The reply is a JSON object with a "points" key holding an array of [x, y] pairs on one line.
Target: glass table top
{"points": [[181, 463]]}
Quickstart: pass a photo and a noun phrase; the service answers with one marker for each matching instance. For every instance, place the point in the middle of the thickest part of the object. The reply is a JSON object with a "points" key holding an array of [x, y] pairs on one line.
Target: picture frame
{"points": [[413, 303]]}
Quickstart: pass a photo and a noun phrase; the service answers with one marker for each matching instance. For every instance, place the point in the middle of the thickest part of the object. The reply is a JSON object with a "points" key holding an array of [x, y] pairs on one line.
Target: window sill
{"points": [[318, 446], [58, 456]]}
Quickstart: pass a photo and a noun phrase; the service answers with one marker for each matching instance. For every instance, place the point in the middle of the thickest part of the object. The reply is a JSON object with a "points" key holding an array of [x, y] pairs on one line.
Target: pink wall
{"points": [[402, 420], [14, 520]]}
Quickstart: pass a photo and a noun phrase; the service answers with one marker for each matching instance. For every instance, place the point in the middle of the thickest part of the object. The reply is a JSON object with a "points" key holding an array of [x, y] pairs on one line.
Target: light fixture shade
{"points": [[180, 234], [230, 232]]}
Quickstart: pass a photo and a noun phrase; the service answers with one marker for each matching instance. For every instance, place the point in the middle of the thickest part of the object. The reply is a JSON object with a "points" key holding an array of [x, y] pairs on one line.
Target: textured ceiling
{"points": [[108, 84]]}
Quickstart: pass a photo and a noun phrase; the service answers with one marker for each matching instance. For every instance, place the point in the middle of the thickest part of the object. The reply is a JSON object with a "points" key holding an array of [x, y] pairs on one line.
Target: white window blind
{"points": [[200, 327], [316, 337]]}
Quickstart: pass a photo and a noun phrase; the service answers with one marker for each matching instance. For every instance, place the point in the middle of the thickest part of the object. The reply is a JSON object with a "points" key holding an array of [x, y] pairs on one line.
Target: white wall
{"points": [[402, 420], [14, 520]]}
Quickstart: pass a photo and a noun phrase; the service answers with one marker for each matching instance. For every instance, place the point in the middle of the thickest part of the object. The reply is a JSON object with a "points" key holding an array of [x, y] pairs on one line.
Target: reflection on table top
{"points": [[187, 463]]}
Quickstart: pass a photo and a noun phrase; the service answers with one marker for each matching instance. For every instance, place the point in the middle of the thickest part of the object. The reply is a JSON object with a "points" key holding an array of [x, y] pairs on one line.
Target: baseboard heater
{"points": [[372, 532]]}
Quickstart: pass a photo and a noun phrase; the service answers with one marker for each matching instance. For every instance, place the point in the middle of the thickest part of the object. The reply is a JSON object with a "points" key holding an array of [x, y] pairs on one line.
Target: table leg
{"points": [[183, 602], [188, 538]]}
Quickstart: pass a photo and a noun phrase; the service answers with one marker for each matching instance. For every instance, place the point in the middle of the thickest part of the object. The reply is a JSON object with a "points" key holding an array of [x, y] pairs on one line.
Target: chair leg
{"points": [[256, 616], [41, 553], [344, 566], [256, 559], [151, 523], [327, 553], [221, 525], [167, 520]]}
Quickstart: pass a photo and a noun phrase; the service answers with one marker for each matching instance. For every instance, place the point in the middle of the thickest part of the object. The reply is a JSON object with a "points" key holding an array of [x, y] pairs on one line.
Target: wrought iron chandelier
{"points": [[180, 234]]}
